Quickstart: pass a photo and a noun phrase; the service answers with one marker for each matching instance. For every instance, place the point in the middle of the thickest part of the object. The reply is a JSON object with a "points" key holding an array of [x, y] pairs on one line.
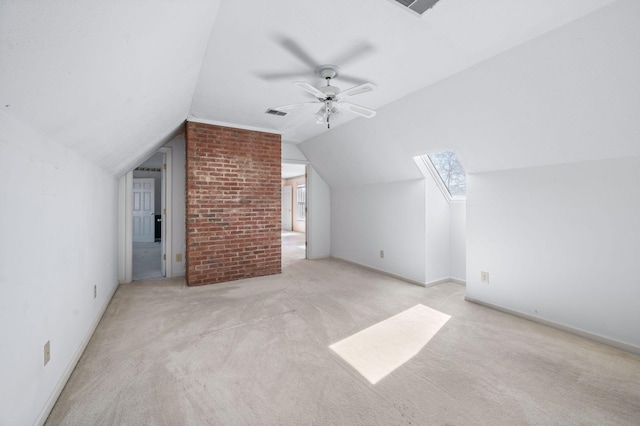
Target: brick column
{"points": [[233, 204]]}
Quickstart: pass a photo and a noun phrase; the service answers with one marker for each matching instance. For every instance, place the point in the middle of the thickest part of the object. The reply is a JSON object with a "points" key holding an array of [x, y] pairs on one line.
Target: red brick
{"points": [[233, 204]]}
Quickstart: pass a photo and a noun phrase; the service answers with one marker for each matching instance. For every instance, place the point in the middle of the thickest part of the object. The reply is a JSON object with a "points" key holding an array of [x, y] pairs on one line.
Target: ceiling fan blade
{"points": [[292, 106], [353, 53], [309, 88], [296, 50], [356, 109], [357, 90], [281, 75], [350, 79]]}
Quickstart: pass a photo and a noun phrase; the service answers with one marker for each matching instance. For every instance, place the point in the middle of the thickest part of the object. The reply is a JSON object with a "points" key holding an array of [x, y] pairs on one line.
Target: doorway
{"points": [[147, 205], [294, 212]]}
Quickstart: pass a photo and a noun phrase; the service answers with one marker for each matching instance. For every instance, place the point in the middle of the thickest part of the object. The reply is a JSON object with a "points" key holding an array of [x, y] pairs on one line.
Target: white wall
{"points": [[108, 80], [391, 217], [178, 203], [437, 237], [561, 243], [458, 240], [58, 228], [318, 216], [292, 154]]}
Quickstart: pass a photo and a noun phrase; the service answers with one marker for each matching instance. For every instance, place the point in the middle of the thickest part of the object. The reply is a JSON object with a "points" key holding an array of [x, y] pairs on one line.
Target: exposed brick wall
{"points": [[233, 204]]}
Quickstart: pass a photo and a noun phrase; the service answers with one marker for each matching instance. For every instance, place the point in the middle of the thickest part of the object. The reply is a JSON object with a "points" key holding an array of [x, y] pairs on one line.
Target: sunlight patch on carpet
{"points": [[380, 349]]}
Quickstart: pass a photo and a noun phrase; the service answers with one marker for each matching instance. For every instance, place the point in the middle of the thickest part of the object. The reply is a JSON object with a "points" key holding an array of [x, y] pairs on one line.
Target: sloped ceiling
{"points": [[570, 95], [113, 80], [259, 47], [108, 79]]}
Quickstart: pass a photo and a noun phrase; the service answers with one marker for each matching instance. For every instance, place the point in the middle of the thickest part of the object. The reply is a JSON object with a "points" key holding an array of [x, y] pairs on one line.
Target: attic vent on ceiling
{"points": [[275, 112], [418, 6]]}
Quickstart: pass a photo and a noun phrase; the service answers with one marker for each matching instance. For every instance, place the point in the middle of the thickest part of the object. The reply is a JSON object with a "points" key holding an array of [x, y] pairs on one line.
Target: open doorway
{"points": [[294, 212], [147, 205]]}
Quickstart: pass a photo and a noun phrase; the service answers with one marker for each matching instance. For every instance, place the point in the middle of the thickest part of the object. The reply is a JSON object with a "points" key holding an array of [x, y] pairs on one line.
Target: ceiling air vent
{"points": [[275, 112], [418, 6]]}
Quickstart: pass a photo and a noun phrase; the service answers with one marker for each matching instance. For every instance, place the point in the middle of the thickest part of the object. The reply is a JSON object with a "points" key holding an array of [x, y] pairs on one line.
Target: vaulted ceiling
{"points": [[113, 80]]}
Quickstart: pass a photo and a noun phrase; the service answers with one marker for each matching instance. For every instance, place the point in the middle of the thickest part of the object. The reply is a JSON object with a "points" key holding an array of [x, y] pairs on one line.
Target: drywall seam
{"points": [[576, 331], [46, 410]]}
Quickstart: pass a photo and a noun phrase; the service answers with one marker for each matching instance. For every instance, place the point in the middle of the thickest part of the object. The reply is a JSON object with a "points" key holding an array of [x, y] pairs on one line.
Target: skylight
{"points": [[448, 172]]}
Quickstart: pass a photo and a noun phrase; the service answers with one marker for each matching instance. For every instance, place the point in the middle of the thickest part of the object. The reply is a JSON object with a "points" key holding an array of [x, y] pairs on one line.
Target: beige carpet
{"points": [[257, 352]]}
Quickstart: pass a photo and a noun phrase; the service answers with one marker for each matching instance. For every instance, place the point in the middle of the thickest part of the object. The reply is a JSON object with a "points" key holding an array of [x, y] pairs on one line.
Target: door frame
{"points": [[289, 214], [125, 220], [306, 181]]}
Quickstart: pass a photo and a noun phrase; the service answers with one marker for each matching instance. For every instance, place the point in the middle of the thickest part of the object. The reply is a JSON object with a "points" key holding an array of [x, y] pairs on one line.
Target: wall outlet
{"points": [[47, 352], [484, 277], [179, 257], [95, 291], [381, 254]]}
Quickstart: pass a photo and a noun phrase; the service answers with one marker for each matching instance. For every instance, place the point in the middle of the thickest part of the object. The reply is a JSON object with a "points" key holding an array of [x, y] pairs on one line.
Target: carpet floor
{"points": [[257, 351]]}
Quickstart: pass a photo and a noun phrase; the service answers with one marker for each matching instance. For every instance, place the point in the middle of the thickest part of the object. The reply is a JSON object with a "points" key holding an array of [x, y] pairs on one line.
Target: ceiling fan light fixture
{"points": [[331, 97]]}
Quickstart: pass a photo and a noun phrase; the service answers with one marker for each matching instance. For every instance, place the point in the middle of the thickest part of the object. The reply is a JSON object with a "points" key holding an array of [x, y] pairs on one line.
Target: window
{"points": [[448, 172], [301, 200]]}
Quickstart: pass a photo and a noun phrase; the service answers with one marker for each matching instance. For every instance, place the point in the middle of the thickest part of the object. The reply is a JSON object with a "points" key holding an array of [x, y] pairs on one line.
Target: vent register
{"points": [[418, 6], [276, 112]]}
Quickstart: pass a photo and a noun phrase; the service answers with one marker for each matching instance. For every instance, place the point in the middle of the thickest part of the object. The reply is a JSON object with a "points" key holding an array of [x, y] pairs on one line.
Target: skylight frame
{"points": [[426, 165]]}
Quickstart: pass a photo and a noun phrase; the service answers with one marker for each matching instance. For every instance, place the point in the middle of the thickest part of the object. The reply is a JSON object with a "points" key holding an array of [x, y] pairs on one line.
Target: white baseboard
{"points": [[380, 271], [446, 280], [578, 332], [46, 410], [400, 277]]}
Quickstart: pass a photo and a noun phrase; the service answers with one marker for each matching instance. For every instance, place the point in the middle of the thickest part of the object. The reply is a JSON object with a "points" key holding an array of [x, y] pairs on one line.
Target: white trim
{"points": [[307, 239], [572, 330], [122, 246], [458, 281], [125, 226], [167, 185], [380, 271], [426, 166], [126, 231], [51, 402], [446, 280], [401, 278], [232, 125]]}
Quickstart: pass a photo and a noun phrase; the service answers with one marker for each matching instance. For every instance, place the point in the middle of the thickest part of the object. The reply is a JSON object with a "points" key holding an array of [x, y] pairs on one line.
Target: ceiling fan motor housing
{"points": [[330, 92], [327, 71]]}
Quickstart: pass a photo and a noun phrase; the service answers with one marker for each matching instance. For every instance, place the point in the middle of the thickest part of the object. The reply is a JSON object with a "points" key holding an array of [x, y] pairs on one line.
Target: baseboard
{"points": [[446, 280], [577, 331], [458, 281], [400, 277], [44, 414], [380, 271]]}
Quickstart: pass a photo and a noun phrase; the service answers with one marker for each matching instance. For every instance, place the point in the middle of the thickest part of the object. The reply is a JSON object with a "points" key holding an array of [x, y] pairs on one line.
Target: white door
{"points": [[286, 207], [143, 211]]}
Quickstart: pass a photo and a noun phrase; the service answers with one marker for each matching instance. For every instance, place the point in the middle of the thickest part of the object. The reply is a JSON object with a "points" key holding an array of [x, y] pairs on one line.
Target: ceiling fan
{"points": [[331, 98]]}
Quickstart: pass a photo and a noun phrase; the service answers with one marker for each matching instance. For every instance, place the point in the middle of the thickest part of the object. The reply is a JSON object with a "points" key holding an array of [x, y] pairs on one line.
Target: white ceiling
{"points": [[568, 96], [114, 80], [254, 41]]}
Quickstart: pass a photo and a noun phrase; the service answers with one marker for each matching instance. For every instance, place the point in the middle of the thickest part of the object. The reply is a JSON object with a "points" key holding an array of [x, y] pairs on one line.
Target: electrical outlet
{"points": [[484, 277], [47, 352], [381, 254], [95, 291], [179, 257]]}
